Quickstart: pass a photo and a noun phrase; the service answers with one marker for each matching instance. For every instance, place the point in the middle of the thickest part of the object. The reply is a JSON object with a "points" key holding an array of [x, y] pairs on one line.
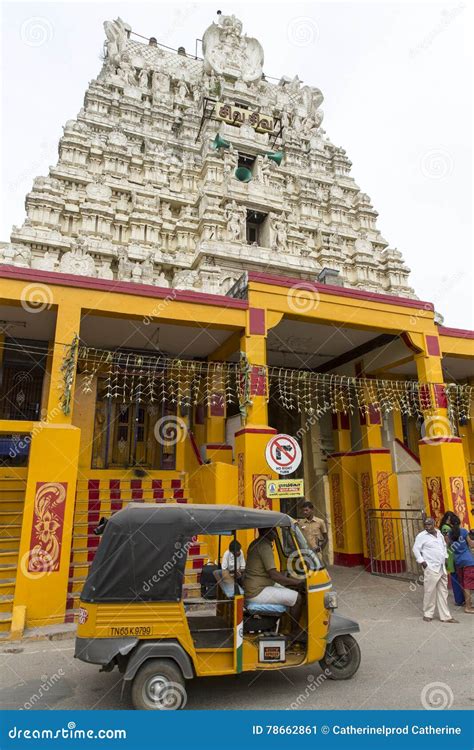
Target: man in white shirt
{"points": [[431, 552], [232, 569]]}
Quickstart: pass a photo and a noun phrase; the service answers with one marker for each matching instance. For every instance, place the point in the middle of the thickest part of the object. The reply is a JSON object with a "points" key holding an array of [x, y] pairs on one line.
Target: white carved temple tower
{"points": [[140, 192]]}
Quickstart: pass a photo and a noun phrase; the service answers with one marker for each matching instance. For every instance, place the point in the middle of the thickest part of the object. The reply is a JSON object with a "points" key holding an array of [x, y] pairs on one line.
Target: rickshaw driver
{"points": [[263, 584]]}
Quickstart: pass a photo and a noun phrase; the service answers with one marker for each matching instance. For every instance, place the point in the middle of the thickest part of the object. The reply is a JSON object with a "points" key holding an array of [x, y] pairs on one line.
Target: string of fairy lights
{"points": [[136, 377]]}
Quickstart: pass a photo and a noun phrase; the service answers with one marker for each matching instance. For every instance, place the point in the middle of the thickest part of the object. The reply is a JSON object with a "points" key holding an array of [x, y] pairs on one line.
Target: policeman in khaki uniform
{"points": [[314, 529]]}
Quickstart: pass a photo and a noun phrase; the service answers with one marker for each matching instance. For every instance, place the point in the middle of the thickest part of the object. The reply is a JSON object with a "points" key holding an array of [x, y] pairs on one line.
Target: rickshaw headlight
{"points": [[330, 600]]}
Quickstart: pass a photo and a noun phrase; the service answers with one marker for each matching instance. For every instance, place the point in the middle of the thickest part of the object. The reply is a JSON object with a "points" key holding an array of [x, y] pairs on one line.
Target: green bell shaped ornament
{"points": [[243, 174], [219, 142], [276, 156]]}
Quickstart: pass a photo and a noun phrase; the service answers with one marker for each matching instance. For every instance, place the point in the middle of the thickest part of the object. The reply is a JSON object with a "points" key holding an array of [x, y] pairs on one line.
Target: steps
{"points": [[96, 498], [12, 497]]}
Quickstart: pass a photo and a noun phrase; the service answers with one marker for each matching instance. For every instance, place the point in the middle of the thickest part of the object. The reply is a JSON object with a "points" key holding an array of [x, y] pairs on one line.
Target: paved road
{"points": [[401, 656]]}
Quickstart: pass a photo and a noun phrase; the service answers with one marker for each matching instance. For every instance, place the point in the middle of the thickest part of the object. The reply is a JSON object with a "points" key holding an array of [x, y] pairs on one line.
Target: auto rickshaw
{"points": [[133, 615]]}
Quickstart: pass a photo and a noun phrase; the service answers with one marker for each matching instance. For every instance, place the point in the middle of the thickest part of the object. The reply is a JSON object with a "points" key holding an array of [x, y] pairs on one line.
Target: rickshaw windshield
{"points": [[310, 557]]}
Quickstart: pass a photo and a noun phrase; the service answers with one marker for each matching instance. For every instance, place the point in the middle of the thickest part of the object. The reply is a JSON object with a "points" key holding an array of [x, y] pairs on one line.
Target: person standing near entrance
{"points": [[431, 552], [462, 544], [313, 528], [451, 521]]}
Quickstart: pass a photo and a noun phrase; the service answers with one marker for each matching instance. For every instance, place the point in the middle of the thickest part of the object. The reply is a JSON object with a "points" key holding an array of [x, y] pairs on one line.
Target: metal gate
{"points": [[390, 535]]}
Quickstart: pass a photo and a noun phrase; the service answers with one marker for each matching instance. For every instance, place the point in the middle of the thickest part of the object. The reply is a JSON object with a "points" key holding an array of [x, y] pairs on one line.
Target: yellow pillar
{"points": [[466, 433], [397, 426], [68, 322], [46, 535], [341, 430], [216, 449], [345, 517], [378, 490], [371, 429], [251, 440], [84, 419], [443, 467]]}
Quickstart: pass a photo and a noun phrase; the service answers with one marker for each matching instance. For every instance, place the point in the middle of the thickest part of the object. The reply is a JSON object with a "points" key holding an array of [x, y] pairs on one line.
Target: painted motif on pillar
{"points": [[338, 516], [435, 498], [259, 489], [383, 492], [47, 530], [240, 479], [366, 503], [458, 496], [258, 381], [217, 405]]}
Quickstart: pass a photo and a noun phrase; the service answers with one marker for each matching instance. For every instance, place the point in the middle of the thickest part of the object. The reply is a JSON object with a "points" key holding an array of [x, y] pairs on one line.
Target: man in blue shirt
{"points": [[462, 545]]}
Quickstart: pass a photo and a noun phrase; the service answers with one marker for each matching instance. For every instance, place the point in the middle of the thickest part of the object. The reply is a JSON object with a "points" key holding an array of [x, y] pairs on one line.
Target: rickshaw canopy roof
{"points": [[142, 555]]}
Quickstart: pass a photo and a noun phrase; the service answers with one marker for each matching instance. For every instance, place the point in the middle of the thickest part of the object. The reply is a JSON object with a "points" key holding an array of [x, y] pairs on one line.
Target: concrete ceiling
{"points": [[185, 341], [307, 345], [292, 343], [20, 323]]}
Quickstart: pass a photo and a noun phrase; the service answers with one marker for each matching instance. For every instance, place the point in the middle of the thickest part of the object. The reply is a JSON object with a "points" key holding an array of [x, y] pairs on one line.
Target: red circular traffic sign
{"points": [[283, 454]]}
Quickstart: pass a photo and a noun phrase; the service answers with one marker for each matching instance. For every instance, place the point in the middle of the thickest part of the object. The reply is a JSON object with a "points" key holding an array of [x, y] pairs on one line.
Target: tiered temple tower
{"points": [[140, 193]]}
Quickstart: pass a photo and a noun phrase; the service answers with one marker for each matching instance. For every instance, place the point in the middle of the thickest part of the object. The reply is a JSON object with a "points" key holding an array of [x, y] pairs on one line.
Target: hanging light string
{"points": [[131, 377], [147, 378], [318, 393]]}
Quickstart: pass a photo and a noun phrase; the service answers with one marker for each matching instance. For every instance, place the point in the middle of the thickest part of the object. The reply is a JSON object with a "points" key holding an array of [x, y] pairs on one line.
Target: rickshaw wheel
{"points": [[342, 658], [159, 686]]}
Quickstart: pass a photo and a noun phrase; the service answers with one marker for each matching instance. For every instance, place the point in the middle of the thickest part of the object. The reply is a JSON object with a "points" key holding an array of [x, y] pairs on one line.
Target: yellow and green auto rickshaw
{"points": [[133, 614]]}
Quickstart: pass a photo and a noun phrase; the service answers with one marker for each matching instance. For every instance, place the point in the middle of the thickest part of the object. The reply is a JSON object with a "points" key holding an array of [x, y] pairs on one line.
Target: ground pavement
{"points": [[406, 663]]}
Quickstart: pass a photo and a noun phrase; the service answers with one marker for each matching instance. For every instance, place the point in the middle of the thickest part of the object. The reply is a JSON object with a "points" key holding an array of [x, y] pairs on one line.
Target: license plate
{"points": [[137, 631]]}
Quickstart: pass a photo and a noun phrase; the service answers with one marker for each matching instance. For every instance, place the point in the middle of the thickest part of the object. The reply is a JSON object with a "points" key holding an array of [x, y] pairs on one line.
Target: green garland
{"points": [[68, 370], [244, 386]]}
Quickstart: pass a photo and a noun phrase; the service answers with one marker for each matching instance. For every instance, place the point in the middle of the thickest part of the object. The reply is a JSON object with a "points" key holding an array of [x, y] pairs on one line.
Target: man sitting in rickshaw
{"points": [[264, 584]]}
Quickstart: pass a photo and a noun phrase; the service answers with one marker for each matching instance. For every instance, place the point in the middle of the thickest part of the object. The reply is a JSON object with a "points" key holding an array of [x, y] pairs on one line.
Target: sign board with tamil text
{"points": [[237, 116], [283, 488]]}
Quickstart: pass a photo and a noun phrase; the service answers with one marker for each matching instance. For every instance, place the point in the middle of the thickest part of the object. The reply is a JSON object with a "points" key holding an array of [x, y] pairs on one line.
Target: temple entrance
{"points": [[314, 437]]}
